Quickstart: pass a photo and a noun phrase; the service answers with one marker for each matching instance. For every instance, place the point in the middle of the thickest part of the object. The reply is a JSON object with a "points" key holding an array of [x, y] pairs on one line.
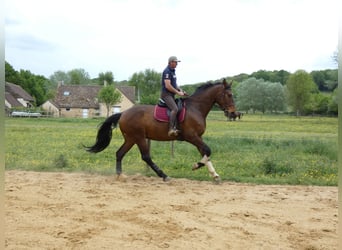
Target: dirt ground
{"points": [[82, 211]]}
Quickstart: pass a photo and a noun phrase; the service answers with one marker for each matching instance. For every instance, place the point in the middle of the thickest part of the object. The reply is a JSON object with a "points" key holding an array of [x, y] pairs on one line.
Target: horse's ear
{"points": [[224, 82], [227, 84]]}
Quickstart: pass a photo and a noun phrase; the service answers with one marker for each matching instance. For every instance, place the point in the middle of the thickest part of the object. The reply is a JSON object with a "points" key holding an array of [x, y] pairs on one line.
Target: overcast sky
{"points": [[213, 39]]}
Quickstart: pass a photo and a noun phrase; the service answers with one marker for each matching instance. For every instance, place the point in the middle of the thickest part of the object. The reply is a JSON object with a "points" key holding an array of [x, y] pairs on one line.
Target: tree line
{"points": [[300, 95], [262, 91]]}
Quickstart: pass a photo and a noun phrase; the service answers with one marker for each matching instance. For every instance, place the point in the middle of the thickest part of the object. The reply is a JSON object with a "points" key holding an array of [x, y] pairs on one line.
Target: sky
{"points": [[213, 39]]}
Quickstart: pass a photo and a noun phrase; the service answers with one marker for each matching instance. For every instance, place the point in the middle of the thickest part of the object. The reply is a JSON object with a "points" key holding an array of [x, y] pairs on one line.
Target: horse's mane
{"points": [[204, 87]]}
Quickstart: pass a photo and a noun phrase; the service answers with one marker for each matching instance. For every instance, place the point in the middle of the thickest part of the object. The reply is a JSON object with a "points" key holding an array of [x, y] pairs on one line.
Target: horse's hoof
{"points": [[121, 177], [166, 179], [194, 167], [217, 180]]}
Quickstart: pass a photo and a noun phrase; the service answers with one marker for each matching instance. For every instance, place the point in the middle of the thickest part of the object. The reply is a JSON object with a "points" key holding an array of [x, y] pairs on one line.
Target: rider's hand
{"points": [[181, 93]]}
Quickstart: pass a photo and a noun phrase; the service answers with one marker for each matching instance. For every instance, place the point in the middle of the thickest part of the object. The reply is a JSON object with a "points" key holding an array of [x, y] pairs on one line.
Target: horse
{"points": [[138, 126], [233, 116]]}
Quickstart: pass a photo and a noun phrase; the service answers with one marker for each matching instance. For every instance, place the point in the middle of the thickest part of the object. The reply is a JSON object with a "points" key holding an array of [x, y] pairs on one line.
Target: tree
{"points": [[299, 88], [282, 76], [11, 75], [60, 77], [317, 104], [271, 76], [79, 76], [34, 85], [109, 96], [245, 94], [148, 84], [333, 103], [259, 95], [319, 78], [107, 77], [275, 96], [241, 77], [190, 88], [331, 78], [326, 80], [261, 74], [72, 77]]}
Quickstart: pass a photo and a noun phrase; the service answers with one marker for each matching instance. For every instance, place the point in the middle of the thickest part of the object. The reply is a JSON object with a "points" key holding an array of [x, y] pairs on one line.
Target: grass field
{"points": [[265, 149]]}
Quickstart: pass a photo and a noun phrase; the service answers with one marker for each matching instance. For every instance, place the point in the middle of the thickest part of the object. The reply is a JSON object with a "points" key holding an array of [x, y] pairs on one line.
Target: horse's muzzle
{"points": [[231, 110]]}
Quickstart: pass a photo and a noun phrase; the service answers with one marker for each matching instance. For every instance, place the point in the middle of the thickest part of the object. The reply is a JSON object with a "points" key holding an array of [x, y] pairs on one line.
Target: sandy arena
{"points": [[81, 211]]}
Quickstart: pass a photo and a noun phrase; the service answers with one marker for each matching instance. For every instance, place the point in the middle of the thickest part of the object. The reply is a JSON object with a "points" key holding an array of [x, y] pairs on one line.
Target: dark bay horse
{"points": [[233, 116], [138, 125]]}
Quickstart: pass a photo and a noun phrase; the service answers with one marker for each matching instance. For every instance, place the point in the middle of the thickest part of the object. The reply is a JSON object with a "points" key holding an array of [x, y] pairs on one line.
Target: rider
{"points": [[168, 92]]}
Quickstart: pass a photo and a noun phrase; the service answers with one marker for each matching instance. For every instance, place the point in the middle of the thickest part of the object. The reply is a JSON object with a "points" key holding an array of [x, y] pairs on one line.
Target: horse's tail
{"points": [[104, 134]]}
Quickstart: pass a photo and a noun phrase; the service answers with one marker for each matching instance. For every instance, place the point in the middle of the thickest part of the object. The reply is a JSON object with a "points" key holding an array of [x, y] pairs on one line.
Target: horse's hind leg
{"points": [[145, 155], [120, 154]]}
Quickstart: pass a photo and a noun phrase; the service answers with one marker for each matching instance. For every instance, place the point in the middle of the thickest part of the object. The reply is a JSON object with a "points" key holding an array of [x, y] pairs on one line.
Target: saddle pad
{"points": [[161, 114]]}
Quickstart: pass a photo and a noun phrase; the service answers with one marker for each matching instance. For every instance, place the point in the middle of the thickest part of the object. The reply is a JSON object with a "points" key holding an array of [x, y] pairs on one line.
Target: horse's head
{"points": [[225, 97]]}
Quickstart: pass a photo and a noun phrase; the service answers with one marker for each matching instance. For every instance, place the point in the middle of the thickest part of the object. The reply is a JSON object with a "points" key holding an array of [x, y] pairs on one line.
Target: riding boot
{"points": [[172, 125]]}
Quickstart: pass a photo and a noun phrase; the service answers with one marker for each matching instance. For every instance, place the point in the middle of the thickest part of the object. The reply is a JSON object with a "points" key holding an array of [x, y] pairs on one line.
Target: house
{"points": [[16, 97], [82, 101]]}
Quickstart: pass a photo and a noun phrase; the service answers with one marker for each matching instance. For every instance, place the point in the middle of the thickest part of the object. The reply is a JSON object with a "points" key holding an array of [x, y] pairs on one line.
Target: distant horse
{"points": [[138, 126], [233, 116]]}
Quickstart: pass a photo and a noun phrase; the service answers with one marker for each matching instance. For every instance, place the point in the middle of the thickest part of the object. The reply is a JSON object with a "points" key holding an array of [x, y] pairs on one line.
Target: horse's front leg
{"points": [[205, 161]]}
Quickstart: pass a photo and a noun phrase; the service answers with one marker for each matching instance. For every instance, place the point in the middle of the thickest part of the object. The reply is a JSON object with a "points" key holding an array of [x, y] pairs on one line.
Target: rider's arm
{"points": [[170, 88]]}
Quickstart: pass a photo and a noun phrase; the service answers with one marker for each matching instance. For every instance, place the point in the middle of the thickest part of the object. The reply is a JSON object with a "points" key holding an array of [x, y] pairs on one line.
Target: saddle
{"points": [[162, 112]]}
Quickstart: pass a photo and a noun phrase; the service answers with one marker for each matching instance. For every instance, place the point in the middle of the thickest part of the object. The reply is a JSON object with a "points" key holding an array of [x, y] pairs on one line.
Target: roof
{"points": [[128, 91], [18, 92], [85, 96], [77, 96], [12, 100]]}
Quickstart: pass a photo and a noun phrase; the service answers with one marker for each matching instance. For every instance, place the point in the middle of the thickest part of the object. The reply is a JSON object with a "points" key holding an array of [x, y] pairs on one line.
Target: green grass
{"points": [[258, 149]]}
